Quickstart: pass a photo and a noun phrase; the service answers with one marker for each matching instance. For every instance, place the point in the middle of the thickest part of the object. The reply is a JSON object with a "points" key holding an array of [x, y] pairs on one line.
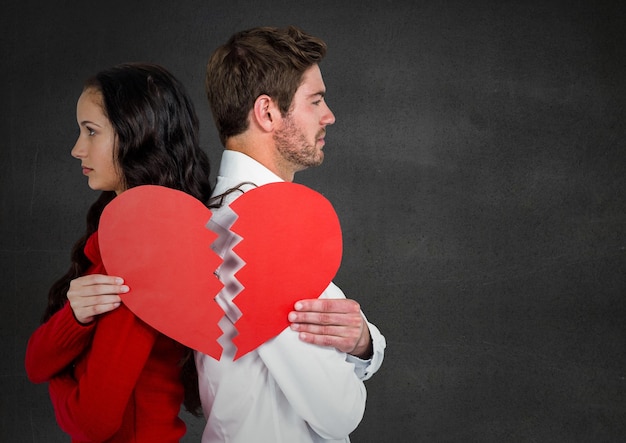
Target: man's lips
{"points": [[320, 138]]}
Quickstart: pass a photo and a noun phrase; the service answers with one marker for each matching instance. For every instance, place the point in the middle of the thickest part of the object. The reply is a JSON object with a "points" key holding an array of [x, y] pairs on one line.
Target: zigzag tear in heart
{"points": [[158, 240]]}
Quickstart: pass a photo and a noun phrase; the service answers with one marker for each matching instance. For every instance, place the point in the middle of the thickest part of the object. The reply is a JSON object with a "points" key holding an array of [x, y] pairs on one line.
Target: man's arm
{"points": [[336, 323], [339, 322]]}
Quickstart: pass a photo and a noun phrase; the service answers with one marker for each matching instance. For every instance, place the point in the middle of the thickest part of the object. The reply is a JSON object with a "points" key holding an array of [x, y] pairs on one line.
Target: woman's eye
{"points": [[91, 132]]}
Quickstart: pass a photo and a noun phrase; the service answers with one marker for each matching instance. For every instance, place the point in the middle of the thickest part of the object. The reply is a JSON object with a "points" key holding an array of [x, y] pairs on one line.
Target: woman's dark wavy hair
{"points": [[157, 143]]}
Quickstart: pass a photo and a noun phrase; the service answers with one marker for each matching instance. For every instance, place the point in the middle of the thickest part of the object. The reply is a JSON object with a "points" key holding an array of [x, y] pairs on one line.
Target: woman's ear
{"points": [[265, 112]]}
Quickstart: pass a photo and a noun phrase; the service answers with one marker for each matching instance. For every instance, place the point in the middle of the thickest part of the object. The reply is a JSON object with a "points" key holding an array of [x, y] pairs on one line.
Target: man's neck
{"points": [[264, 155]]}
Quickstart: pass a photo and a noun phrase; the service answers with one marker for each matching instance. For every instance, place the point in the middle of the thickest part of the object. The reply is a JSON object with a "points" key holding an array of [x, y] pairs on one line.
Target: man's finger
{"points": [[327, 305]]}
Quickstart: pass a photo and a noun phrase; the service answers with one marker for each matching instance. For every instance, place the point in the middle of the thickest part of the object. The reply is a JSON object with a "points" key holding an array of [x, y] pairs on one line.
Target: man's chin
{"points": [[320, 157], [318, 161]]}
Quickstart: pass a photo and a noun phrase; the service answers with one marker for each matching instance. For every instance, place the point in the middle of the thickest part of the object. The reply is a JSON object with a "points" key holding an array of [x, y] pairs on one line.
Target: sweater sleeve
{"points": [[55, 345], [91, 407]]}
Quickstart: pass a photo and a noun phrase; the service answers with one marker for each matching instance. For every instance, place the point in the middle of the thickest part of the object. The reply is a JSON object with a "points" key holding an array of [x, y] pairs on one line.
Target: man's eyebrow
{"points": [[320, 93]]}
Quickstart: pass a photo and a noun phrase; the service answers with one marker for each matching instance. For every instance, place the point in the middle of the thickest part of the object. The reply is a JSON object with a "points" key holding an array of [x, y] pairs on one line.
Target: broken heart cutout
{"points": [[292, 248], [157, 239]]}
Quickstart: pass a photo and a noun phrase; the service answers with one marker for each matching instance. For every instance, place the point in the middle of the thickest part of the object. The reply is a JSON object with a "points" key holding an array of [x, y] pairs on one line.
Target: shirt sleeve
{"points": [[55, 345], [366, 368], [91, 407], [319, 383]]}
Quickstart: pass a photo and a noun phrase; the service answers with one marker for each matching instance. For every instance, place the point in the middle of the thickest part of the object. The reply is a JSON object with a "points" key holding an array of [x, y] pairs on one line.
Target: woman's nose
{"points": [[78, 151]]}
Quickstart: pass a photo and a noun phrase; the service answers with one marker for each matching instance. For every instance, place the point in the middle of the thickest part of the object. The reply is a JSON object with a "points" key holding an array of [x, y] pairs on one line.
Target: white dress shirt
{"points": [[286, 390]]}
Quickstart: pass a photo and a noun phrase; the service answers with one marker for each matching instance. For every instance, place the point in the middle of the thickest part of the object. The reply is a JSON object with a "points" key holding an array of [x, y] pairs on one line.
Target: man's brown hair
{"points": [[263, 60]]}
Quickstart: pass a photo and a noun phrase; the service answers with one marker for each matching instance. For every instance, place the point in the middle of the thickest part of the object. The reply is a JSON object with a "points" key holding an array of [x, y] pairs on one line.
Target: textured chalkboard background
{"points": [[477, 165]]}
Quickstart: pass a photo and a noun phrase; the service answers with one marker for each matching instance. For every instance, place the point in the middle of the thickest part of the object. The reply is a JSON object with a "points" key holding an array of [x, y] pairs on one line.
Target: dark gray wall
{"points": [[477, 166]]}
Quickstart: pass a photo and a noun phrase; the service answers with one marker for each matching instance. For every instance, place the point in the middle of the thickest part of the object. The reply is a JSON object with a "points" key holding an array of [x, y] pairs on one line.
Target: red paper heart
{"points": [[292, 247], [156, 239]]}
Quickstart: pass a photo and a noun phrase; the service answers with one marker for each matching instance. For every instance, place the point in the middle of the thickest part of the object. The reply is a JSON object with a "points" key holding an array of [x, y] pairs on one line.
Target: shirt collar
{"points": [[239, 167]]}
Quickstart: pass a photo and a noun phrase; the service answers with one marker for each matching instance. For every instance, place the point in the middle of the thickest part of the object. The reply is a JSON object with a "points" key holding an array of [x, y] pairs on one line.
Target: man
{"points": [[266, 93]]}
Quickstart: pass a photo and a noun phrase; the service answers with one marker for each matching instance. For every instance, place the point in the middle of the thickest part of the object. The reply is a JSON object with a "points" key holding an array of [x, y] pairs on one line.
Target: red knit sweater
{"points": [[114, 380]]}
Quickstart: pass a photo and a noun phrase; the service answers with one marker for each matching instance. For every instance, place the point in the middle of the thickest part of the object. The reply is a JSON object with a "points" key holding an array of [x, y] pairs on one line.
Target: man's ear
{"points": [[265, 112]]}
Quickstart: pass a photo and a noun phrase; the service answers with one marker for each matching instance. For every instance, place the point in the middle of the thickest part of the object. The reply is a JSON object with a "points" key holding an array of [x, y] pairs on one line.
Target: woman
{"points": [[112, 377]]}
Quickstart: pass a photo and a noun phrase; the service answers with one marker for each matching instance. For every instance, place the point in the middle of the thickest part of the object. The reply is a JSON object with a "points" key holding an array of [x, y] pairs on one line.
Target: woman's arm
{"points": [[91, 407], [95, 294], [58, 342], [55, 345]]}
